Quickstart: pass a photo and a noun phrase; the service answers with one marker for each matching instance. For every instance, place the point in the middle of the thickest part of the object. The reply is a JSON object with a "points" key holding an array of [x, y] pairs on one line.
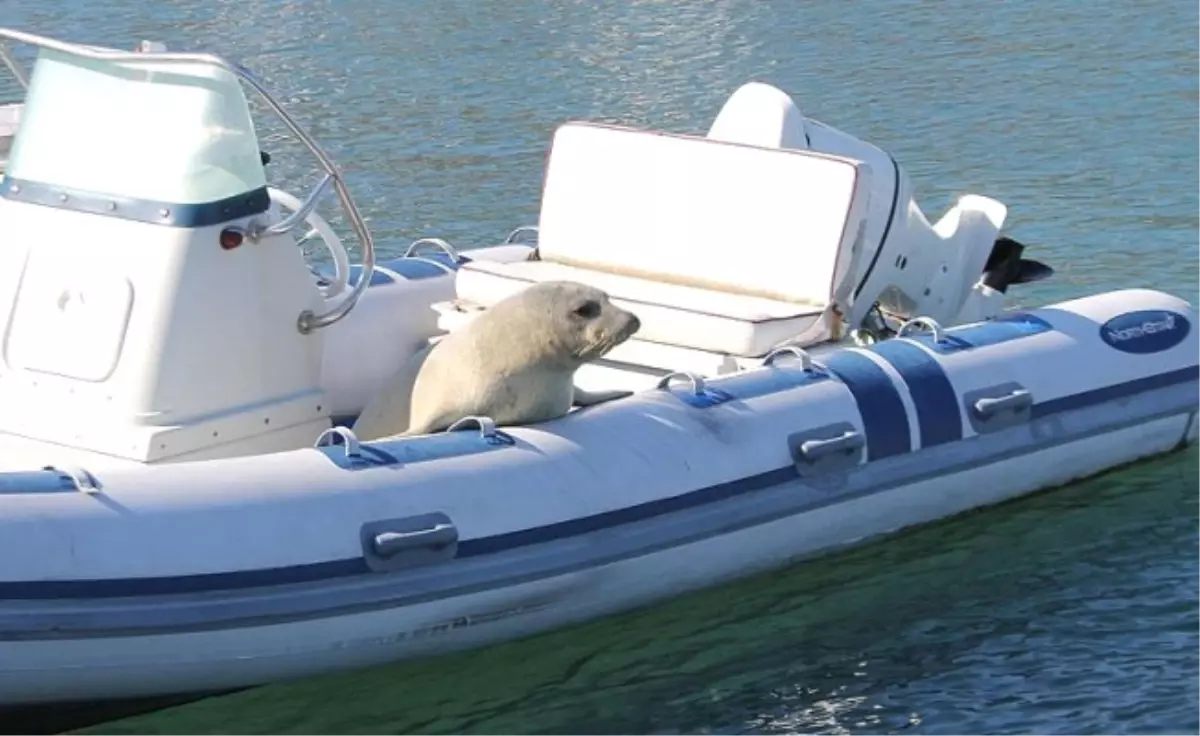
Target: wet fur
{"points": [[515, 363]]}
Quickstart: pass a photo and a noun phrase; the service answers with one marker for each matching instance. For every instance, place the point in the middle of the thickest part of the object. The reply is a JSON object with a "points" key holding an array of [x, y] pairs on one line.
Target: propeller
{"points": [[1006, 267]]}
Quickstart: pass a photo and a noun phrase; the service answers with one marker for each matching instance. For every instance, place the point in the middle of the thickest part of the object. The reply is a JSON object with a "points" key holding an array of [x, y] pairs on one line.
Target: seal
{"points": [[515, 363]]}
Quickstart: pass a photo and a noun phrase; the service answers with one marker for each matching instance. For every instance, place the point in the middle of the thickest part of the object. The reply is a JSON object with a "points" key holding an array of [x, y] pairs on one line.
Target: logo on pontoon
{"points": [[1147, 331]]}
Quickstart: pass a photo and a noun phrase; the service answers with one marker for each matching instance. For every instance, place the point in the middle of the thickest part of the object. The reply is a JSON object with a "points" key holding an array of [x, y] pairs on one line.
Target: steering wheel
{"points": [[333, 244]]}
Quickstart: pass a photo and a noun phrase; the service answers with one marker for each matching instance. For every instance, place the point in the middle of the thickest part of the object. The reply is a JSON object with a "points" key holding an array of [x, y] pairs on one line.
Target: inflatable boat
{"points": [[184, 505]]}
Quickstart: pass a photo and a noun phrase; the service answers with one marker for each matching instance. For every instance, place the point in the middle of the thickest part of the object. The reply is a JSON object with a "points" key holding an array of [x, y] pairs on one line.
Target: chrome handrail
{"points": [[308, 320], [306, 207]]}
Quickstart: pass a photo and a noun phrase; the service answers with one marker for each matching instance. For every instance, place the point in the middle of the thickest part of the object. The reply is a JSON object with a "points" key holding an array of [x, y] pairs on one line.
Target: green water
{"points": [[1073, 611]]}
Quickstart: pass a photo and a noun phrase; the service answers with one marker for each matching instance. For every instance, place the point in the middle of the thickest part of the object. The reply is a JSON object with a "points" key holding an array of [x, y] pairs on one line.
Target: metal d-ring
{"points": [[939, 334], [512, 237], [696, 381], [349, 440], [442, 245], [81, 479], [807, 364], [487, 430], [863, 337]]}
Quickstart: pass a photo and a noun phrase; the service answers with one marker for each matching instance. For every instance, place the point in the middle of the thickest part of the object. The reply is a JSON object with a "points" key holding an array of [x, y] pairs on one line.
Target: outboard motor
{"points": [[907, 266]]}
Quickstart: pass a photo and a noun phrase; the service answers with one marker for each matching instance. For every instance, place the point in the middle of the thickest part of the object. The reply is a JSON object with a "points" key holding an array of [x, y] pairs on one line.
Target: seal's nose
{"points": [[635, 324]]}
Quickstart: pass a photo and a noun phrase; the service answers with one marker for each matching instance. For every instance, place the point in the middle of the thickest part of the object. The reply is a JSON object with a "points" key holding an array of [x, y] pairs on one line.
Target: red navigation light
{"points": [[230, 238]]}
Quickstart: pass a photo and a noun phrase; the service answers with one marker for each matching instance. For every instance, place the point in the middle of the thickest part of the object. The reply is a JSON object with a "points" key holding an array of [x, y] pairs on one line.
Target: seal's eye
{"points": [[588, 310]]}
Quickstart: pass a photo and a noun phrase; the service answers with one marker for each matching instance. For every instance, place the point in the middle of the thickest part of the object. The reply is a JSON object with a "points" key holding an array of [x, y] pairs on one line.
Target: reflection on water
{"points": [[1075, 611]]}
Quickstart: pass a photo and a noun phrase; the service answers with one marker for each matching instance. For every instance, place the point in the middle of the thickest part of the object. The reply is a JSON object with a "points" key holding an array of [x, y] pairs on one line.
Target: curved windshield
{"points": [[164, 132]]}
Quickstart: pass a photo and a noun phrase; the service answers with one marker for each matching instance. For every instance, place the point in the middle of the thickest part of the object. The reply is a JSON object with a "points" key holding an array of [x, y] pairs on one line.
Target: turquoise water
{"points": [[1073, 611]]}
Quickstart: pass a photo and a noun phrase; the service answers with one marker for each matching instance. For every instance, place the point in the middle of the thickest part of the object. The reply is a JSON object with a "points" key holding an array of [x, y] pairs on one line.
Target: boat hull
{"points": [[125, 637], [103, 668]]}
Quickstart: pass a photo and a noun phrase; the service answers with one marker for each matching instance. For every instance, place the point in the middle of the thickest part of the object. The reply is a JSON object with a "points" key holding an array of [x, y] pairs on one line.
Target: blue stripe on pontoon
{"points": [[884, 417], [1116, 391], [120, 587], [116, 588], [626, 515], [938, 414], [1010, 326]]}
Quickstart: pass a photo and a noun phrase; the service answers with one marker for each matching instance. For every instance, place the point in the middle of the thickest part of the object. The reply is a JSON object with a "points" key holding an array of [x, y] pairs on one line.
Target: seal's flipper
{"points": [[591, 398], [388, 413]]}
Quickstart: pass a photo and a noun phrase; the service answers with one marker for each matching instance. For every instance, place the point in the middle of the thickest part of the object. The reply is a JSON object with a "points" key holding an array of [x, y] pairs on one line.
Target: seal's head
{"points": [[569, 322]]}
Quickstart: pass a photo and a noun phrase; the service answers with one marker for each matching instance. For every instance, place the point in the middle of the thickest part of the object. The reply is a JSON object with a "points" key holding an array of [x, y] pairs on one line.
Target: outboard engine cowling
{"points": [[908, 266], [912, 267]]}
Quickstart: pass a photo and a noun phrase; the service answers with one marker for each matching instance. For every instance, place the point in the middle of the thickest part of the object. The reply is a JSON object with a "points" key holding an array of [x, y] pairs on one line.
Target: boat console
{"points": [[153, 302]]}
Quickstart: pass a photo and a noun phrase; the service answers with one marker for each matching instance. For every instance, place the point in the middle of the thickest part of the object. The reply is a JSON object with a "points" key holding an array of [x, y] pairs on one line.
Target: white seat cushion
{"points": [[716, 246], [671, 314], [768, 222]]}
